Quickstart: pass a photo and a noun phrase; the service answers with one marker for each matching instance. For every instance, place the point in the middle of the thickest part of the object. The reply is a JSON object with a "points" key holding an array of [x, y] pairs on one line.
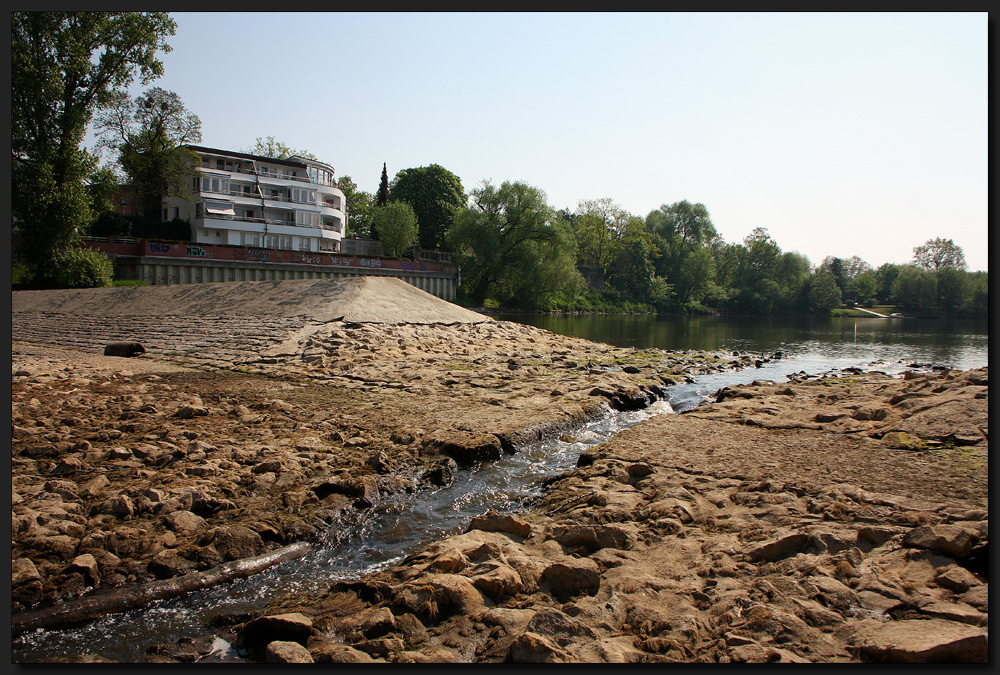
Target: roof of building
{"points": [[243, 155]]}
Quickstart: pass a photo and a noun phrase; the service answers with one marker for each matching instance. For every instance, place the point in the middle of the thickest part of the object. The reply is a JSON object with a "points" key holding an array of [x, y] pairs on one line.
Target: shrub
{"points": [[81, 268], [20, 275]]}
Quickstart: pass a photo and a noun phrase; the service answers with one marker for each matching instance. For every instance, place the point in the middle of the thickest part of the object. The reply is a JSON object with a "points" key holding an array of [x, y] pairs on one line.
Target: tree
{"points": [[846, 272], [824, 293], [886, 275], [434, 193], [953, 289], [64, 67], [936, 254], [274, 149], [682, 231], [866, 287], [396, 227], [383, 188], [914, 288], [511, 248], [600, 227], [360, 205], [146, 133]]}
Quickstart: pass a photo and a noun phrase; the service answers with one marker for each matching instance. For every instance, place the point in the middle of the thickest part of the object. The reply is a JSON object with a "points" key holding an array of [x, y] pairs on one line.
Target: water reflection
{"points": [[954, 343]]}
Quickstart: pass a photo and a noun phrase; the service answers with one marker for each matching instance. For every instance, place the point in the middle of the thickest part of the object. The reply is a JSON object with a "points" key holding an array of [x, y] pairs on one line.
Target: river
{"points": [[382, 536]]}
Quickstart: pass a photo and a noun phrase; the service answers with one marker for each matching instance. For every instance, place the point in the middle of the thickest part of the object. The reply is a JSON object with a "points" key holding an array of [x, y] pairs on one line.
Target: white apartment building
{"points": [[245, 200]]}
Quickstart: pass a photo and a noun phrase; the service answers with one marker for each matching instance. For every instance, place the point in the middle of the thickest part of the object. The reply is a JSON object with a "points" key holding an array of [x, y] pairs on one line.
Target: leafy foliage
{"points": [[511, 248], [824, 293], [268, 146], [80, 267], [434, 193], [937, 254], [146, 133], [396, 227], [360, 205], [64, 67]]}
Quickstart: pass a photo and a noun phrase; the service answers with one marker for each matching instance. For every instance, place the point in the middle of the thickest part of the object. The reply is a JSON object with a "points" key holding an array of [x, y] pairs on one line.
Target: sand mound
{"points": [[361, 299]]}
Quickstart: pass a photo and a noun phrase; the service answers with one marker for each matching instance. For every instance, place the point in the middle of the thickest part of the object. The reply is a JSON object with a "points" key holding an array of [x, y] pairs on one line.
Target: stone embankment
{"points": [[827, 519]]}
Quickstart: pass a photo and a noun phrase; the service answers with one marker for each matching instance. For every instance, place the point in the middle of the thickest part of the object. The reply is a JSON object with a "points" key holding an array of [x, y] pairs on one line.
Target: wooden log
{"points": [[77, 612]]}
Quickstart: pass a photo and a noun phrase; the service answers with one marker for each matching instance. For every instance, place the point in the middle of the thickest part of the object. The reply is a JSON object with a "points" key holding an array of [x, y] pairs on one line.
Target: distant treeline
{"points": [[516, 253]]}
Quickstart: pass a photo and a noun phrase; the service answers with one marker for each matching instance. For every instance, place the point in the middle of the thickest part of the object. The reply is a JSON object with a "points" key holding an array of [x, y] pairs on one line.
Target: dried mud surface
{"points": [[835, 518]]}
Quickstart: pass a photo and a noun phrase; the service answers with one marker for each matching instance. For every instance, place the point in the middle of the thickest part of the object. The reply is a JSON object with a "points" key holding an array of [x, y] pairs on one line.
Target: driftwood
{"points": [[80, 611]]}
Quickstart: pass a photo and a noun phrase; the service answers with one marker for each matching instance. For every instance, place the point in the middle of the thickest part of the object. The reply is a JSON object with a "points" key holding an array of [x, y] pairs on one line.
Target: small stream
{"points": [[381, 536]]}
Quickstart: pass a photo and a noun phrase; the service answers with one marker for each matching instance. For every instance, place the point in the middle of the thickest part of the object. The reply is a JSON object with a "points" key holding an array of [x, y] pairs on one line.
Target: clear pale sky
{"points": [[842, 134]]}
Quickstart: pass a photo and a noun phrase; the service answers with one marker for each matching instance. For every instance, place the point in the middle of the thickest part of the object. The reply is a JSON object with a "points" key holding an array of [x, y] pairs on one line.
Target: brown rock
{"points": [[576, 576], [953, 540], [281, 651], [492, 521], [927, 641], [291, 627], [532, 648]]}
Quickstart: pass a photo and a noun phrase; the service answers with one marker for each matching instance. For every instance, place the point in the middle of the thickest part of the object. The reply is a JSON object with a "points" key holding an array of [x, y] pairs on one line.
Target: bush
{"points": [[81, 268], [20, 275]]}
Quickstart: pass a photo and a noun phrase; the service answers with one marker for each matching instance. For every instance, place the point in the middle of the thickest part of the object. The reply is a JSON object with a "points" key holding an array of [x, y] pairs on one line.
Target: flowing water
{"points": [[384, 535]]}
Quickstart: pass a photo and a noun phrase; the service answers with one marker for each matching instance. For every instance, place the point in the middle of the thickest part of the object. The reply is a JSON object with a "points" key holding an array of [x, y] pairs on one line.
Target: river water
{"points": [[382, 536]]}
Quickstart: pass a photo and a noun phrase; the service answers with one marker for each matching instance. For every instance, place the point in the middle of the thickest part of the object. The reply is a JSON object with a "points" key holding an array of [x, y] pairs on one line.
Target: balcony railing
{"points": [[270, 174], [267, 221], [232, 192]]}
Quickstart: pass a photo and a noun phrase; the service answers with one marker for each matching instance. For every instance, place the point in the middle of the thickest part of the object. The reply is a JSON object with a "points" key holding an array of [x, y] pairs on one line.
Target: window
{"points": [[249, 239], [215, 184], [306, 218], [303, 195], [271, 241]]}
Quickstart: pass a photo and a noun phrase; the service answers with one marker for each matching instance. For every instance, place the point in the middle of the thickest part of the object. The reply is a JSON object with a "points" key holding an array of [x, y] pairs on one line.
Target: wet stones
{"points": [[465, 448]]}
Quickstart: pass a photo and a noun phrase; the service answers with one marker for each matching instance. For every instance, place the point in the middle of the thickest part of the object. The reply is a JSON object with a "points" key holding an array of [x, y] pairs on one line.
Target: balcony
{"points": [[246, 168]]}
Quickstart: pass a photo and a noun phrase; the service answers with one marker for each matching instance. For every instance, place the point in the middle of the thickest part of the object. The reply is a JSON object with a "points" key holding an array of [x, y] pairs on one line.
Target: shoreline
{"points": [[216, 446]]}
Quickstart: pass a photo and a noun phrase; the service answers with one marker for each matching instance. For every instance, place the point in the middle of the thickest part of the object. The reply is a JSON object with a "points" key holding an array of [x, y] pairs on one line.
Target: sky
{"points": [[841, 134]]}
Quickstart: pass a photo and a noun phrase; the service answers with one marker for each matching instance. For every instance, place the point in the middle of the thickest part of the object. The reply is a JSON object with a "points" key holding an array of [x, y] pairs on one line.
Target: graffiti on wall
{"points": [[255, 254]]}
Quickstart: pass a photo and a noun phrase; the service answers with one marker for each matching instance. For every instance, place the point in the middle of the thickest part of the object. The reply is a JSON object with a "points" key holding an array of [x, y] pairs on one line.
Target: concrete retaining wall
{"points": [[160, 271]]}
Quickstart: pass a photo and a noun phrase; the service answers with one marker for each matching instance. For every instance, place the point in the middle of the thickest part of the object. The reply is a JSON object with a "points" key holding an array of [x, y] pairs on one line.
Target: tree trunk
{"points": [[80, 611]]}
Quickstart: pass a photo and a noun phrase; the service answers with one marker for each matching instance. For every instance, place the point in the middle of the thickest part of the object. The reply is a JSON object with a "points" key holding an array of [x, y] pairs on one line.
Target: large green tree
{"points": [[146, 133], [824, 293], [936, 254], [434, 193], [64, 67], [915, 288], [682, 232], [396, 227], [360, 205], [511, 248]]}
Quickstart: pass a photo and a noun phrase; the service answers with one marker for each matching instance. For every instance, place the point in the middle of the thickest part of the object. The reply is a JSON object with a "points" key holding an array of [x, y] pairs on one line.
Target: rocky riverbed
{"points": [[840, 518]]}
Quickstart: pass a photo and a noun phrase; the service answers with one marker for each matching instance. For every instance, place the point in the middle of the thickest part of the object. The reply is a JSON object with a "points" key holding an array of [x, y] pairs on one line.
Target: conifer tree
{"points": [[383, 188]]}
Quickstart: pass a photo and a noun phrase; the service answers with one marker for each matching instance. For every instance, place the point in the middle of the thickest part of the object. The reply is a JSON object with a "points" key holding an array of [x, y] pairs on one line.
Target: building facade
{"points": [[239, 199]]}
